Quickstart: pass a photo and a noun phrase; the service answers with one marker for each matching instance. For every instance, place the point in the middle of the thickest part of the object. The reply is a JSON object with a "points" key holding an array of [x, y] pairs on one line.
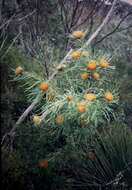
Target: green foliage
{"points": [[33, 145], [104, 160], [88, 150], [14, 173], [124, 75], [69, 83]]}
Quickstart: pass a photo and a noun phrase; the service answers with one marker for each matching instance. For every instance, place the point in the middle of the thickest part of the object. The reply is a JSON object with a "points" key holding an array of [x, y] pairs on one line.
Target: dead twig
{"points": [[94, 35], [115, 29]]}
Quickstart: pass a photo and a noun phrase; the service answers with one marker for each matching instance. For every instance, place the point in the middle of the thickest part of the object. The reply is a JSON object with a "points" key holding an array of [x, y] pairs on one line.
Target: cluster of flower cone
{"points": [[91, 67]]}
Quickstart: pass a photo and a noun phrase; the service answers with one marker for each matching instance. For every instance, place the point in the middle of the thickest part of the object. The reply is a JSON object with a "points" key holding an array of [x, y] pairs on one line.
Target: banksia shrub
{"points": [[82, 89], [78, 94], [76, 103]]}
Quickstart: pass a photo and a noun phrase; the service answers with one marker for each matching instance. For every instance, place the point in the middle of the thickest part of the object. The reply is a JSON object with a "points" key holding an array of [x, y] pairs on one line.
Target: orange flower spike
{"points": [[104, 63], [96, 76], [43, 86], [90, 96], [75, 55], [81, 107], [84, 76], [19, 71], [43, 164], [59, 119], [78, 34], [69, 98], [92, 65], [108, 96]]}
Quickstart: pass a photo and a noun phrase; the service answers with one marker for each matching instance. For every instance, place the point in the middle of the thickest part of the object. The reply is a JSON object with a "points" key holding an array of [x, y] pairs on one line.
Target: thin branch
{"points": [[126, 28], [7, 22], [26, 16], [96, 6], [3, 43], [78, 16], [94, 35], [13, 41], [64, 15], [46, 68], [91, 26], [74, 13], [115, 29]]}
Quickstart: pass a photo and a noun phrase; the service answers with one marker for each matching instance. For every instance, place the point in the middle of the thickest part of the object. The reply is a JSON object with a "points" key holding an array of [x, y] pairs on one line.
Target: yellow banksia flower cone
{"points": [[92, 65], [69, 98], [81, 107], [37, 120], [19, 70], [84, 75], [104, 63], [108, 96], [59, 119], [43, 86], [96, 76], [75, 55], [90, 96], [78, 34]]}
